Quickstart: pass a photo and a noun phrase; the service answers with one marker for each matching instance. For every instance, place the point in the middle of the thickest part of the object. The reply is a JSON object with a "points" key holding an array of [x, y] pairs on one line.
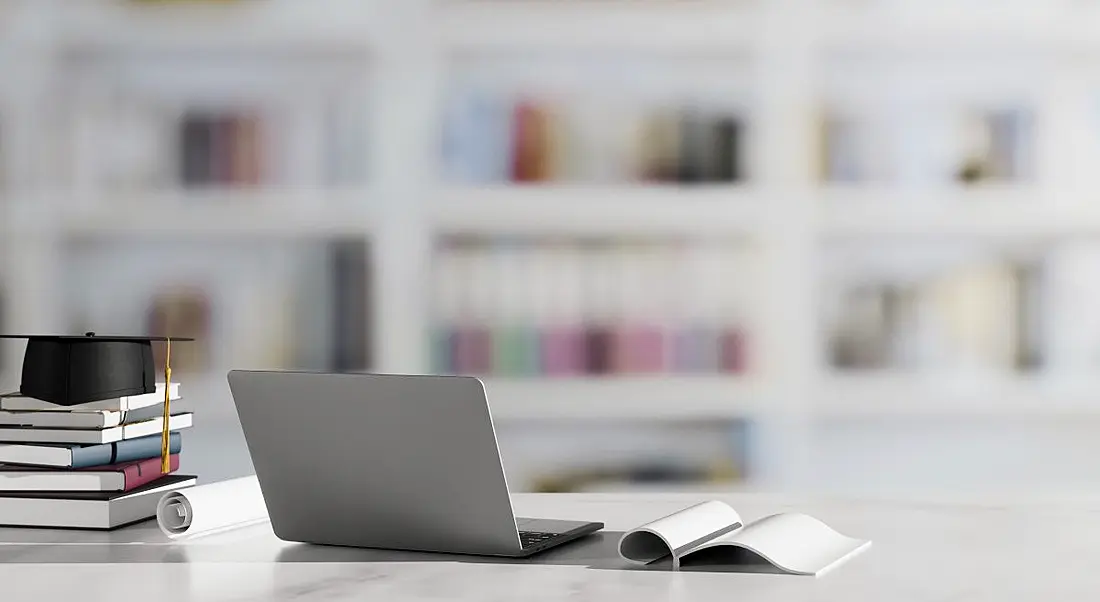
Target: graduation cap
{"points": [[69, 370]]}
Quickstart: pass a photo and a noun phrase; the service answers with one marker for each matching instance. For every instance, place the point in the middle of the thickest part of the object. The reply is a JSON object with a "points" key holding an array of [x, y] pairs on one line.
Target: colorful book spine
{"points": [[514, 341], [128, 450], [137, 473], [222, 148]]}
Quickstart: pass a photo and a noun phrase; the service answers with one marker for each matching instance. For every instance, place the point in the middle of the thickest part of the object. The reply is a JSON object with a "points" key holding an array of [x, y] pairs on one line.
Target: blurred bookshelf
{"points": [[642, 399], [573, 210], [226, 214], [264, 26], [905, 395], [657, 26], [289, 178]]}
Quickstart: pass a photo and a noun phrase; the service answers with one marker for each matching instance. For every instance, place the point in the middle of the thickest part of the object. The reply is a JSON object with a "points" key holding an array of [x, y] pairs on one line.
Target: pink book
{"points": [[733, 351], [119, 477], [562, 351], [139, 472], [639, 350]]}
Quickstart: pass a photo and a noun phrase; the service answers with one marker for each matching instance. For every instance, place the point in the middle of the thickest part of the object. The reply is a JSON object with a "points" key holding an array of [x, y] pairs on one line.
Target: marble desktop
{"points": [[924, 551]]}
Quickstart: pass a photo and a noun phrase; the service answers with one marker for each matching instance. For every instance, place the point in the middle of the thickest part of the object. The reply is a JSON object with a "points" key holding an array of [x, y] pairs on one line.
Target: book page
{"points": [[679, 532], [795, 543], [212, 508]]}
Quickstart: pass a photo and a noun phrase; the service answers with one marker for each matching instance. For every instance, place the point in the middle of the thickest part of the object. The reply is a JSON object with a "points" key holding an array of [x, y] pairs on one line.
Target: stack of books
{"points": [[95, 465]]}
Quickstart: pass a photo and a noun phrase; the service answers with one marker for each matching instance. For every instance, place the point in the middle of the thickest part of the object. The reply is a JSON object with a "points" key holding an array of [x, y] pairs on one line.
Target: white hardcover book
{"points": [[89, 510], [24, 478], [793, 543], [86, 419], [18, 403], [108, 435]]}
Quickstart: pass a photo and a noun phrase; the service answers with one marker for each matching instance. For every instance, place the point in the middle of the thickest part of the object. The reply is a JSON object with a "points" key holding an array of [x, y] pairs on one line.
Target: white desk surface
{"points": [[923, 551]]}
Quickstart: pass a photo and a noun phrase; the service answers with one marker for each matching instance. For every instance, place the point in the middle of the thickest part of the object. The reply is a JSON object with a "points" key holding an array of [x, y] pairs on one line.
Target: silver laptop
{"points": [[385, 461]]}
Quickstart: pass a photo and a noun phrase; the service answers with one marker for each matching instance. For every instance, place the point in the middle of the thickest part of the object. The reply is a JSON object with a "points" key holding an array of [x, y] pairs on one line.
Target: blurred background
{"points": [[847, 246]]}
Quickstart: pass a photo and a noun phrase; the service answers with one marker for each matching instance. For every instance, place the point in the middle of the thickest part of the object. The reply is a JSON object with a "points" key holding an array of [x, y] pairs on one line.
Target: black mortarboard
{"points": [[70, 370]]}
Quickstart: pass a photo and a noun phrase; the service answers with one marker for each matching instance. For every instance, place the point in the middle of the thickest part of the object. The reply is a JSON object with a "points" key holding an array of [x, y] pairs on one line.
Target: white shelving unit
{"points": [[714, 211], [223, 214], [616, 398], [406, 48]]}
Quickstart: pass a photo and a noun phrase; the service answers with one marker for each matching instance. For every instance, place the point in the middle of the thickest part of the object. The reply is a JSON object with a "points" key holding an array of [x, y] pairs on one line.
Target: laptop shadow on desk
{"points": [[586, 551], [597, 551]]}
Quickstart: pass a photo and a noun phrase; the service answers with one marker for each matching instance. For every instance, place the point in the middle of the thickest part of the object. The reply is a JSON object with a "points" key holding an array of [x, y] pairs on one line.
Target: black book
{"points": [[196, 150]]}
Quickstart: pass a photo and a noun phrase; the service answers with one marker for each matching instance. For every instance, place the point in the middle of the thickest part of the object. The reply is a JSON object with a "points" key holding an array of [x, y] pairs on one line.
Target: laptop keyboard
{"points": [[532, 538]]}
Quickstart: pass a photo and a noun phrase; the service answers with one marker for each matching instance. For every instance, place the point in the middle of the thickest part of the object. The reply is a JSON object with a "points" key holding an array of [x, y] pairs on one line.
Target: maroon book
{"points": [[138, 472]]}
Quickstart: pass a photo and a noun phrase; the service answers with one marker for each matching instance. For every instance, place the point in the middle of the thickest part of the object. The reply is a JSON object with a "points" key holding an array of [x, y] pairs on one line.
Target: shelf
{"points": [[493, 25], [242, 26], [623, 398], [594, 210], [200, 214], [993, 211], [739, 487], [1041, 27], [657, 26], [724, 27], [887, 395]]}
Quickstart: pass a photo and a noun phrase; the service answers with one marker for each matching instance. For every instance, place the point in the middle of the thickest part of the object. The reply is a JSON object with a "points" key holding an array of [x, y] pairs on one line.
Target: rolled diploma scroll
{"points": [[212, 508]]}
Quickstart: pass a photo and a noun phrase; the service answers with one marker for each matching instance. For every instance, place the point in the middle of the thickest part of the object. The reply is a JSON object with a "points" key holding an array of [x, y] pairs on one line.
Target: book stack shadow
{"points": [[94, 465]]}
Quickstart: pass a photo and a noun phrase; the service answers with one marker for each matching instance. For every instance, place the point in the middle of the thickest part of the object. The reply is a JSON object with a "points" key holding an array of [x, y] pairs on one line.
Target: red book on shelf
{"points": [[138, 472], [733, 351], [530, 144]]}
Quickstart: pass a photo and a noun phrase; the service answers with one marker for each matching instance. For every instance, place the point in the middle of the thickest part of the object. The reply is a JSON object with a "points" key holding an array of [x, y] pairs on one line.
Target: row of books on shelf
{"points": [[983, 315], [261, 303], [995, 309], [589, 307], [232, 146], [654, 473], [490, 139], [576, 350], [969, 146]]}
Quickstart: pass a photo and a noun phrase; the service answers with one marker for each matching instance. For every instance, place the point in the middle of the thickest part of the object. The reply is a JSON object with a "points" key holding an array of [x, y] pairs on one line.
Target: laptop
{"points": [[402, 462]]}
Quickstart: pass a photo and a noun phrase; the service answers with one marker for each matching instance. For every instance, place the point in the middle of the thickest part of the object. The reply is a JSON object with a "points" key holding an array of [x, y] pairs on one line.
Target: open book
{"points": [[793, 543]]}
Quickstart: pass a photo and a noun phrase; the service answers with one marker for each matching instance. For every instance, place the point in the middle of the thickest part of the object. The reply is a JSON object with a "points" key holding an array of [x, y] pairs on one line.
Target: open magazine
{"points": [[793, 543]]}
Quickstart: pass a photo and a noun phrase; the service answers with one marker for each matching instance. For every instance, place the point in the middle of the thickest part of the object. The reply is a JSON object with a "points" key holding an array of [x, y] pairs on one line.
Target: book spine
{"points": [[599, 284], [220, 153], [563, 345], [149, 427], [146, 471], [195, 143], [92, 455], [128, 450], [56, 420], [246, 149], [139, 415], [349, 265], [118, 404], [514, 344], [446, 312], [653, 310], [99, 419], [476, 348]]}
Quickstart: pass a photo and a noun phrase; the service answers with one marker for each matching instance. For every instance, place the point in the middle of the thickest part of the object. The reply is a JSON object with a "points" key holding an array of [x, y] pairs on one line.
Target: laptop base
{"points": [[544, 540]]}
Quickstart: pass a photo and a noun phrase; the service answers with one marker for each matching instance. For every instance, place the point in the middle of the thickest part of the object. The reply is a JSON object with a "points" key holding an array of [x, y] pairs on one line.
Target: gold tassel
{"points": [[165, 467]]}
